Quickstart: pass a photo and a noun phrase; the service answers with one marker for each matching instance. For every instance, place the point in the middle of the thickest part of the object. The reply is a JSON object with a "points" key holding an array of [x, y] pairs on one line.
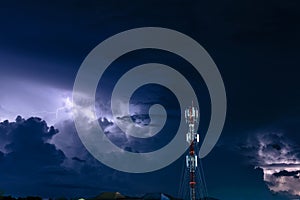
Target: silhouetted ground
{"points": [[20, 198], [108, 196]]}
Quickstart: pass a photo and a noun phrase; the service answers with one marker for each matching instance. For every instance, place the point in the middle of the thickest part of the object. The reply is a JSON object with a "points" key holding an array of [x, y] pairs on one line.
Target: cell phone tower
{"points": [[191, 117]]}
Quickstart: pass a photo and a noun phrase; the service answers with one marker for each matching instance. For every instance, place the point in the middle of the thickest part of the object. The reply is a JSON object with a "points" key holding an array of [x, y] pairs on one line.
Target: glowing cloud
{"points": [[27, 98], [278, 159]]}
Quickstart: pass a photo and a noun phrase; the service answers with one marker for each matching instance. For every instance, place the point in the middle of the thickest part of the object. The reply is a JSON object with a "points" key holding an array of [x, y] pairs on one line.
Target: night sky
{"points": [[255, 45]]}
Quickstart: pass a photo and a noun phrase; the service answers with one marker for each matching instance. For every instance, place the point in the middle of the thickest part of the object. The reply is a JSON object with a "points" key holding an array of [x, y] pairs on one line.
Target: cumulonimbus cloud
{"points": [[278, 158]]}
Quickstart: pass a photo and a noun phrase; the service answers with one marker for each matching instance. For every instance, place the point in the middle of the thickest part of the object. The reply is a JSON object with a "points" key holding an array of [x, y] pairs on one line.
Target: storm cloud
{"points": [[278, 157], [27, 154], [32, 164]]}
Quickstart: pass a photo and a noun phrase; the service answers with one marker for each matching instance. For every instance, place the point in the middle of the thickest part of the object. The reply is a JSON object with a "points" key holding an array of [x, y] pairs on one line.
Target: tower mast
{"points": [[191, 116]]}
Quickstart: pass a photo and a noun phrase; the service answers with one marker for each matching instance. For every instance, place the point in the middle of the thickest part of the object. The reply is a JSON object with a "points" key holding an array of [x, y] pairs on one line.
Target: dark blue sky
{"points": [[254, 44]]}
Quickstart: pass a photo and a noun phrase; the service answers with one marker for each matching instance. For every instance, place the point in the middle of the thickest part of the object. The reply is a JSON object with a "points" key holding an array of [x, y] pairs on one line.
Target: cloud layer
{"points": [[26, 154], [32, 164], [279, 159]]}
